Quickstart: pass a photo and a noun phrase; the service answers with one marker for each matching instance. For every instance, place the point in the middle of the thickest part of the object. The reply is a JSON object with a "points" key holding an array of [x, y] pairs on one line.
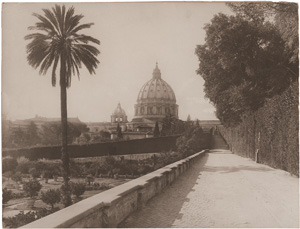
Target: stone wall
{"points": [[110, 208]]}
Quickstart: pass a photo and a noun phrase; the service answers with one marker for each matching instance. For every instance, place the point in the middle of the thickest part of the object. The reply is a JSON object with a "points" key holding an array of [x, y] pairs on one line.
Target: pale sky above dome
{"points": [[133, 36]]}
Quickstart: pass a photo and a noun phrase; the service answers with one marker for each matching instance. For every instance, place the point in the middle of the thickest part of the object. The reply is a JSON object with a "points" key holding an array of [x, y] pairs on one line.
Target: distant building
{"points": [[155, 100], [38, 121], [119, 115]]}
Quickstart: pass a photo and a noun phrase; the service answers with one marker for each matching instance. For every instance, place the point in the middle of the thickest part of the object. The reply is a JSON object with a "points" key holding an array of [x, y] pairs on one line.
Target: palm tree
{"points": [[57, 41]]}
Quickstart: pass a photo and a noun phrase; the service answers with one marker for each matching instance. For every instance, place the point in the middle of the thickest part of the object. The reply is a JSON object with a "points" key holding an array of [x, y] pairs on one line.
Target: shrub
{"points": [[17, 177], [6, 195], [47, 174], [77, 189], [191, 142], [22, 160], [32, 188], [89, 179], [34, 173], [24, 218], [19, 219], [44, 212], [51, 196], [24, 165], [19, 195], [9, 164]]}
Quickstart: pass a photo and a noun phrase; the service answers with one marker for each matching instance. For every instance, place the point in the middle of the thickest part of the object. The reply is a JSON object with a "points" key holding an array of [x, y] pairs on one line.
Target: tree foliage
{"points": [[283, 14], [32, 188], [243, 62], [156, 130], [9, 164], [6, 195], [172, 126], [51, 133], [77, 189], [191, 142], [119, 132], [51, 196], [32, 134]]}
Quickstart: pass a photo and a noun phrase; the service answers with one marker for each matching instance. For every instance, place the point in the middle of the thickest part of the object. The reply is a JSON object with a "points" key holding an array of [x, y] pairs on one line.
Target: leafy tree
{"points": [[6, 195], [172, 126], [89, 178], [284, 15], [197, 123], [19, 219], [35, 173], [32, 188], [52, 132], [17, 177], [51, 196], [9, 164], [119, 132], [156, 130], [18, 137], [242, 63], [59, 41], [32, 134], [191, 142], [77, 189]]}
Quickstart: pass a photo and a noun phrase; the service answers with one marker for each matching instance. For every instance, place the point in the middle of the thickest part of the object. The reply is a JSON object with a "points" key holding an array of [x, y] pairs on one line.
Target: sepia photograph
{"points": [[150, 114]]}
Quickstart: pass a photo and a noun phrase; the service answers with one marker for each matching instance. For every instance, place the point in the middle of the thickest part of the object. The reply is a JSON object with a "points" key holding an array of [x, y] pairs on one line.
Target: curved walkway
{"points": [[224, 190]]}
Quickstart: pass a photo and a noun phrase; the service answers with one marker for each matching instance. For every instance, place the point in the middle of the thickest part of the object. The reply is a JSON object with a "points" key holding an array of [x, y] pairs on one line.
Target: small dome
{"points": [[156, 89], [119, 110], [119, 115]]}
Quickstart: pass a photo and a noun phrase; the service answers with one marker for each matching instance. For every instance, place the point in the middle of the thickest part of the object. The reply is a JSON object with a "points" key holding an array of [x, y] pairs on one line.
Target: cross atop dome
{"points": [[156, 72]]}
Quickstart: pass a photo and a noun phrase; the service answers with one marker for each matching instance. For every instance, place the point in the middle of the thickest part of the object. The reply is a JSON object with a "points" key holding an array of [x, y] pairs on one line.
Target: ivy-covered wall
{"points": [[272, 131]]}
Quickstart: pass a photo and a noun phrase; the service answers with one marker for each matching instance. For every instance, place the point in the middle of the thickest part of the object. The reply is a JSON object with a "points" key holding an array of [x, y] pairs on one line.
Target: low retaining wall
{"points": [[111, 207]]}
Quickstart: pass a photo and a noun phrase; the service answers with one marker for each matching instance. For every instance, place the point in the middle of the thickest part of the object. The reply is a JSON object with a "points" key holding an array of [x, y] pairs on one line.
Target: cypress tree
{"points": [[119, 132], [156, 130]]}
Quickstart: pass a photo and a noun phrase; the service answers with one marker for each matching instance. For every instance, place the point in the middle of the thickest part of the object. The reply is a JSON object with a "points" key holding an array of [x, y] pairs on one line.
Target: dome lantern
{"points": [[156, 73]]}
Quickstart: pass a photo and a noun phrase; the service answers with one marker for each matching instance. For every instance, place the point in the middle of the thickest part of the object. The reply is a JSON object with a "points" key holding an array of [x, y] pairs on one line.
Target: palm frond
{"points": [[80, 27], [91, 49], [85, 39], [47, 62], [73, 22], [37, 50], [51, 17], [45, 24], [60, 16]]}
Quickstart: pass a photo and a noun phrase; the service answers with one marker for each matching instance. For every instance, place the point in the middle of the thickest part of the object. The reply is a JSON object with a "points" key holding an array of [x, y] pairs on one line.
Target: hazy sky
{"points": [[133, 37]]}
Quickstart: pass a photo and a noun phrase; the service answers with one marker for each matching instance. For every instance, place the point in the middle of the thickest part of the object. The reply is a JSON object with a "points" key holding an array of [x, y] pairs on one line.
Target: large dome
{"points": [[156, 89], [156, 99]]}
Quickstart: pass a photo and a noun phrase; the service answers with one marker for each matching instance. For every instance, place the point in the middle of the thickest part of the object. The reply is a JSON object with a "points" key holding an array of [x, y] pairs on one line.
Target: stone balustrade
{"points": [[111, 207]]}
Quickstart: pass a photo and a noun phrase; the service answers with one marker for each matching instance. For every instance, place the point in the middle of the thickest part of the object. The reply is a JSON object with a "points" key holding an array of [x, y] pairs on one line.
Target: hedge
{"points": [[273, 130], [136, 146]]}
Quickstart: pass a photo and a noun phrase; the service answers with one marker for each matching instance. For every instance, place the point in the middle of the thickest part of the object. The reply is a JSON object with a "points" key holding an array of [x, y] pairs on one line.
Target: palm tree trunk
{"points": [[64, 124]]}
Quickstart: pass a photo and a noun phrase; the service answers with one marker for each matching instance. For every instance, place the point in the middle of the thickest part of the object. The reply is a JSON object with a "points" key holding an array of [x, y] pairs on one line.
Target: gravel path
{"points": [[224, 190]]}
